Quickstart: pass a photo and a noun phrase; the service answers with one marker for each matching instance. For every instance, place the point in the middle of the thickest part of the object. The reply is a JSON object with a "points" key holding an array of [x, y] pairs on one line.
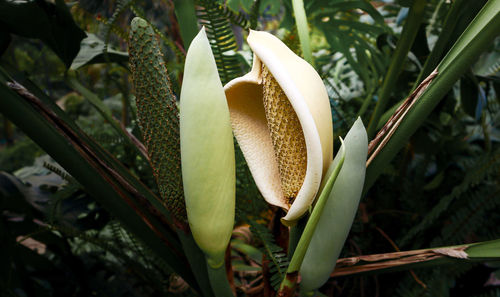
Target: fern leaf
{"points": [[213, 16], [121, 6], [279, 260], [475, 174], [59, 171]]}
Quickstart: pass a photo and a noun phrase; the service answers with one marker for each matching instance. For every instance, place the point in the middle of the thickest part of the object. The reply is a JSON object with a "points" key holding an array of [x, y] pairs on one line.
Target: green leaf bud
{"points": [[338, 213]]}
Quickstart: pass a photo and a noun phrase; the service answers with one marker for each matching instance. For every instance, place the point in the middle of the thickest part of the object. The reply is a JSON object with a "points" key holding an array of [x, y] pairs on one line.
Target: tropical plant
{"points": [[146, 194]]}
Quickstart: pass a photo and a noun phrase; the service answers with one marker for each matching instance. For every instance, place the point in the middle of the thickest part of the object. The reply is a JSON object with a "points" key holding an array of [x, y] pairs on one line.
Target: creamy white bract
{"points": [[281, 118]]}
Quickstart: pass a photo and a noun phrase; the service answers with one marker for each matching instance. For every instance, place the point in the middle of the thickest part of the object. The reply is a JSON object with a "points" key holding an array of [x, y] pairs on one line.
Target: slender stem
{"points": [[450, 23], [303, 29], [218, 281], [196, 260], [93, 99], [403, 46], [287, 286], [186, 17], [366, 103], [295, 234]]}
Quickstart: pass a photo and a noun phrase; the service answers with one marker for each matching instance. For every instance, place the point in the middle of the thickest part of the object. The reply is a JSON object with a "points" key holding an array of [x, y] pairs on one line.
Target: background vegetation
{"points": [[65, 232]]}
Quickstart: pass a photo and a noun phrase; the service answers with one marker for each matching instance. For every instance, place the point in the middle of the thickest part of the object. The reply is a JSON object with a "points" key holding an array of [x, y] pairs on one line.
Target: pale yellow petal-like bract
{"points": [[207, 152]]}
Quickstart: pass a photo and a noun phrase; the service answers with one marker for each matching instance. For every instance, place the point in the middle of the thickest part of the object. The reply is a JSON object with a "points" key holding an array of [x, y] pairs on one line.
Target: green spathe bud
{"points": [[338, 213], [207, 152]]}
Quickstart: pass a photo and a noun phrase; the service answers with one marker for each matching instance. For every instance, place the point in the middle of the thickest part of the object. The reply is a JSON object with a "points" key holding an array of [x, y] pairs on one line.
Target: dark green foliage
{"points": [[213, 17], [477, 171], [441, 189], [22, 153], [93, 51], [158, 115], [49, 22]]}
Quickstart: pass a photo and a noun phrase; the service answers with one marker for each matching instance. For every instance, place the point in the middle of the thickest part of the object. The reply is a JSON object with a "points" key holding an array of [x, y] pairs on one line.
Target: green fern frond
{"points": [[477, 170], [472, 217], [144, 264], [278, 258], [213, 16], [59, 171], [158, 115], [121, 6], [236, 18], [356, 40], [254, 14]]}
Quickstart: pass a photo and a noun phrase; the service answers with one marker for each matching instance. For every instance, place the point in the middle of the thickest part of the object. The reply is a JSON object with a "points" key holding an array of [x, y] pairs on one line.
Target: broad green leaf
{"points": [[50, 22], [92, 51], [475, 39]]}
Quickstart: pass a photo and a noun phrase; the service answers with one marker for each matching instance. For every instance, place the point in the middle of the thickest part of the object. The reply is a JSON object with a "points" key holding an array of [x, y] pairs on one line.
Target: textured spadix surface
{"points": [[207, 152], [338, 213], [281, 118], [157, 114]]}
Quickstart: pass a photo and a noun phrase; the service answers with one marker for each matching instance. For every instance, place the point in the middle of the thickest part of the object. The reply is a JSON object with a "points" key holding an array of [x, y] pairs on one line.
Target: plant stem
{"points": [[218, 281], [188, 22], [196, 260], [443, 39], [303, 29], [288, 284], [403, 46], [366, 103], [475, 39], [295, 234]]}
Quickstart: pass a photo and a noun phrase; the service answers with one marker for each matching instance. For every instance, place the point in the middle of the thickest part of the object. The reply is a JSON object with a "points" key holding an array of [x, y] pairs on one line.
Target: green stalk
{"points": [[473, 41], [432, 61], [289, 283], [295, 234], [450, 23], [218, 280], [196, 260], [96, 102], [403, 46], [366, 103], [188, 22], [303, 29]]}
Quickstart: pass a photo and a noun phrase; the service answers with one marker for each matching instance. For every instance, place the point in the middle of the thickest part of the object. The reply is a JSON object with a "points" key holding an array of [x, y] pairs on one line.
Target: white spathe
{"points": [[307, 94]]}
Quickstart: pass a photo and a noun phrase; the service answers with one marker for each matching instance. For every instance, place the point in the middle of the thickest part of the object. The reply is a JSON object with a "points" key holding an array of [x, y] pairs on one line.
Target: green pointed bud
{"points": [[207, 152], [157, 114], [338, 213]]}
